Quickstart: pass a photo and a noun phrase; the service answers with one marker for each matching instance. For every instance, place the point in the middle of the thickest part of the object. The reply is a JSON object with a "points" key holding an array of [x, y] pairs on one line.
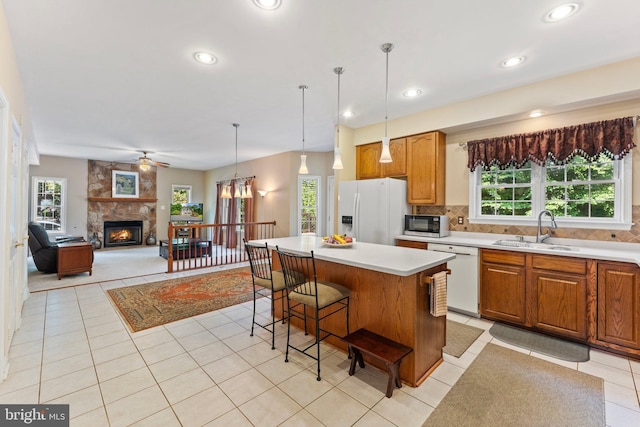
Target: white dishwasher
{"points": [[462, 284]]}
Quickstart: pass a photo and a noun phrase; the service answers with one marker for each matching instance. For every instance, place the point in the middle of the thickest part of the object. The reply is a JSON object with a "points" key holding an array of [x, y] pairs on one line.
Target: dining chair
{"points": [[323, 298], [266, 283]]}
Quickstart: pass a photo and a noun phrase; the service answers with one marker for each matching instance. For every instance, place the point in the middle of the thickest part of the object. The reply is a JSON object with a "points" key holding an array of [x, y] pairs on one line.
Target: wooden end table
{"points": [[73, 258]]}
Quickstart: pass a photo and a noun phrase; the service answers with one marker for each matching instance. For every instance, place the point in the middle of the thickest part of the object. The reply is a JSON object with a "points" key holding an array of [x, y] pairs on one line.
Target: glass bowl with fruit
{"points": [[338, 241]]}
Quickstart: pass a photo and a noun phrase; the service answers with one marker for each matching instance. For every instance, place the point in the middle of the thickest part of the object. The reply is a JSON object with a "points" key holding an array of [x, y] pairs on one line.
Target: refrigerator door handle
{"points": [[356, 216]]}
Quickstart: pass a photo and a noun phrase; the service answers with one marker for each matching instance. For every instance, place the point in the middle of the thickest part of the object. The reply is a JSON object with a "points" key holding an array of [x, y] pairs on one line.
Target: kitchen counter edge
{"points": [[608, 251]]}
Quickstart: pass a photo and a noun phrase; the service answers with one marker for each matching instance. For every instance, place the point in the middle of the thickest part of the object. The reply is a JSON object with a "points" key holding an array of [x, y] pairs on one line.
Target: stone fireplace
{"points": [[103, 208], [122, 233]]}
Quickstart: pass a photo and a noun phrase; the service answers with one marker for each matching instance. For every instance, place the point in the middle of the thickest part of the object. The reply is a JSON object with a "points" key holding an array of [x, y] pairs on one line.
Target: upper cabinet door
{"points": [[398, 167], [426, 169], [368, 161]]}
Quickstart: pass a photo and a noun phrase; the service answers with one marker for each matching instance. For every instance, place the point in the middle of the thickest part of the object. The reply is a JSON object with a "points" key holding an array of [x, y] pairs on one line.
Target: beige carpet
{"points": [[503, 387], [460, 337], [108, 264]]}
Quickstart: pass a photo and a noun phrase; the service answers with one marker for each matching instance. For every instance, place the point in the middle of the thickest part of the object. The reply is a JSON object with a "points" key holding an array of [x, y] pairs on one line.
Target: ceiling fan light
{"points": [[337, 159], [303, 165], [144, 167], [385, 156]]}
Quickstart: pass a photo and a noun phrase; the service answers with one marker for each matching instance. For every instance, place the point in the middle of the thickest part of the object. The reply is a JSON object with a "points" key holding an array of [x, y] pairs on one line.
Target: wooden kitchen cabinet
{"points": [[398, 167], [502, 286], [426, 169], [411, 244], [618, 304], [368, 164], [557, 291]]}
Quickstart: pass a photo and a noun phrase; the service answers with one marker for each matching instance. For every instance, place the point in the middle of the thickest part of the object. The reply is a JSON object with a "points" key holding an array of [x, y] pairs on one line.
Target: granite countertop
{"points": [[394, 260], [592, 249]]}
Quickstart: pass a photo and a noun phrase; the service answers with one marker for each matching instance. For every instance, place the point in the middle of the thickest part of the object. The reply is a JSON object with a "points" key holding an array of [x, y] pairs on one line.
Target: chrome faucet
{"points": [[541, 237]]}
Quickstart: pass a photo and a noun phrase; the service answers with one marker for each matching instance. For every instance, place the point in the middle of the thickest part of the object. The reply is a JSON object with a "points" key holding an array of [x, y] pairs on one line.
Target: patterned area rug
{"points": [[154, 304]]}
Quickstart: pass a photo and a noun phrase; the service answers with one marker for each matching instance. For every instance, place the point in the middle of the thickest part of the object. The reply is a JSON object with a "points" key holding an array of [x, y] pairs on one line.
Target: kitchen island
{"points": [[389, 295]]}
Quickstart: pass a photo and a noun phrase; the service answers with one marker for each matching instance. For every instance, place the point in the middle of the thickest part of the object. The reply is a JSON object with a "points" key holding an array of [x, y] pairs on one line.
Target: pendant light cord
{"points": [[386, 96], [386, 48], [303, 87], [338, 72], [236, 125]]}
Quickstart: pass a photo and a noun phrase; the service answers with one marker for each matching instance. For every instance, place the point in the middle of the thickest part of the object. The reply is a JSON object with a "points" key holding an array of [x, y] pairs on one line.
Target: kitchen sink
{"points": [[513, 243], [533, 245]]}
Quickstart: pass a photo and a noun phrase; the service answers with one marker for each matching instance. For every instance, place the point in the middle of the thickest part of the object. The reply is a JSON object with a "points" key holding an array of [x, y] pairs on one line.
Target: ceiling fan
{"points": [[146, 162]]}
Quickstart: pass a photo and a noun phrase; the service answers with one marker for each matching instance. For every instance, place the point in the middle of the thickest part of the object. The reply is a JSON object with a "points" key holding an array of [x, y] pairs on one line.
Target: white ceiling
{"points": [[105, 79]]}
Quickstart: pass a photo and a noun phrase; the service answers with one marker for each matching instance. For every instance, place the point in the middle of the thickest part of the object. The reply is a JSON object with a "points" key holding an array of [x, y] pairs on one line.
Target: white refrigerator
{"points": [[372, 210]]}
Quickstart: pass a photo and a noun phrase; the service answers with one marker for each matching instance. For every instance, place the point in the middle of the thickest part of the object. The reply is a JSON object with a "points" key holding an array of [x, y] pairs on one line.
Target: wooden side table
{"points": [[74, 258]]}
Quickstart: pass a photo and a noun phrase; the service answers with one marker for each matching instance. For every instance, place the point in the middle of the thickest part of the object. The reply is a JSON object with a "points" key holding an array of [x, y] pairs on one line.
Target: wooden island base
{"points": [[395, 307]]}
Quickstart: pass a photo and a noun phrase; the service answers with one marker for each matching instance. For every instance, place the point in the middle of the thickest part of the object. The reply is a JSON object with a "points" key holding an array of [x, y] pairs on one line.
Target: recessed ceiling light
{"points": [[205, 58], [512, 62], [268, 4], [561, 12], [348, 114], [536, 113], [412, 92]]}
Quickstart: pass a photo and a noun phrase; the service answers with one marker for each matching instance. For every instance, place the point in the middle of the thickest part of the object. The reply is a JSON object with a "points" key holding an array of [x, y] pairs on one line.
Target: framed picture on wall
{"points": [[124, 184]]}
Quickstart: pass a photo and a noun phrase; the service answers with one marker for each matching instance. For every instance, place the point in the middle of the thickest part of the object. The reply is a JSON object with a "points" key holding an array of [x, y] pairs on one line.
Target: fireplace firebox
{"points": [[122, 233]]}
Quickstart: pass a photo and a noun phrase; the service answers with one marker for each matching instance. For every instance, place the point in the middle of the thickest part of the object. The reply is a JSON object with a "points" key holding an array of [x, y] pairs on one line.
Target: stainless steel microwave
{"points": [[426, 225]]}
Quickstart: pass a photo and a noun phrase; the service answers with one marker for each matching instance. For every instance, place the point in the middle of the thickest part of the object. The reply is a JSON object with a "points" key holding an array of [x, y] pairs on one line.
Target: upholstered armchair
{"points": [[45, 253]]}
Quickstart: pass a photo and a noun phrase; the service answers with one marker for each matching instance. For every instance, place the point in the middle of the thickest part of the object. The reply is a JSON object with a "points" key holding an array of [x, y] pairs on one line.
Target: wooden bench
{"points": [[381, 348]]}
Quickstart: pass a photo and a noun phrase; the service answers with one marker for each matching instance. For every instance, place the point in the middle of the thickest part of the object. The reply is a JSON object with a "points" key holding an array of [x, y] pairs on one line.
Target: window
{"points": [[308, 204], [579, 193], [48, 205], [181, 193]]}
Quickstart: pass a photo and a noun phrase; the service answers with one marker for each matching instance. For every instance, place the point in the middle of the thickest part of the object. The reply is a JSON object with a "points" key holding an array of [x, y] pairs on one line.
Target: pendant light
{"points": [[246, 191], [226, 192], [337, 160], [385, 156], [303, 157], [237, 193]]}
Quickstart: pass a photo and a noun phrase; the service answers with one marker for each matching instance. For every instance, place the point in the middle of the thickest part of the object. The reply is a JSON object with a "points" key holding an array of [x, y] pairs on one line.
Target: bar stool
{"points": [[266, 283], [309, 292]]}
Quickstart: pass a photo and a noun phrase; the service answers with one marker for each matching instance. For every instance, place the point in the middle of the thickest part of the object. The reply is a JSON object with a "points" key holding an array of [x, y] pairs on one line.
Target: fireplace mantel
{"points": [[122, 199]]}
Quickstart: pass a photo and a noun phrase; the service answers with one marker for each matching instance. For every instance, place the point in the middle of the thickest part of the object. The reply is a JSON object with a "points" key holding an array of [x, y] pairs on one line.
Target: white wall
{"points": [[278, 174], [14, 106], [166, 177], [76, 173]]}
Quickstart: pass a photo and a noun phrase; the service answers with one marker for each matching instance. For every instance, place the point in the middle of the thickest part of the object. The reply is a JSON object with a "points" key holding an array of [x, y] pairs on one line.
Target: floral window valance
{"points": [[613, 138]]}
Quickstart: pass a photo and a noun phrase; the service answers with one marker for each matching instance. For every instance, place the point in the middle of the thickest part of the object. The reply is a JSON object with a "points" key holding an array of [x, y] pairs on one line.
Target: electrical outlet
{"points": [[460, 220]]}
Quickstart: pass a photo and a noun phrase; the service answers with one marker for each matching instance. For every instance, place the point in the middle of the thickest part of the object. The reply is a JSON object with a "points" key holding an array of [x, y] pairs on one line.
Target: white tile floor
{"points": [[73, 348]]}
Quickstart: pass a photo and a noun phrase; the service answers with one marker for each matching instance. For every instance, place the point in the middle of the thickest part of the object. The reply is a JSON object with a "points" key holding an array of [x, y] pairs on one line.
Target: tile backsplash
{"points": [[453, 212]]}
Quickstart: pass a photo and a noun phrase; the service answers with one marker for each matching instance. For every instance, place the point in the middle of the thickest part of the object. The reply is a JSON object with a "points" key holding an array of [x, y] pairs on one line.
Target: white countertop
{"points": [[384, 258], [592, 249]]}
